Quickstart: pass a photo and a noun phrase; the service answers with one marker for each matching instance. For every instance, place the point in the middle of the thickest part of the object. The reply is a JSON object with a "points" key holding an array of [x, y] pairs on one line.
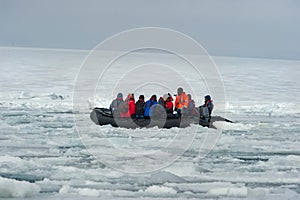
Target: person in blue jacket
{"points": [[151, 102]]}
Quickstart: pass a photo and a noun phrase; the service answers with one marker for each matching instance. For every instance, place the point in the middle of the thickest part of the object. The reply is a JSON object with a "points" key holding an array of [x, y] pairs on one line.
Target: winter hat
{"points": [[120, 95], [142, 97], [153, 97], [189, 96], [207, 97]]}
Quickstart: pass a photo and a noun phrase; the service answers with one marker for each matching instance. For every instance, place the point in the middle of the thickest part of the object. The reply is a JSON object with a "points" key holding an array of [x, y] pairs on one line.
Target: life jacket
{"points": [[209, 105], [181, 101]]}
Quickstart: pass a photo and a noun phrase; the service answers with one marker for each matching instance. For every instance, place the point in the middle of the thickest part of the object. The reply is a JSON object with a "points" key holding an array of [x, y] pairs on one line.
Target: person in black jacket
{"points": [[209, 104], [206, 109], [140, 107]]}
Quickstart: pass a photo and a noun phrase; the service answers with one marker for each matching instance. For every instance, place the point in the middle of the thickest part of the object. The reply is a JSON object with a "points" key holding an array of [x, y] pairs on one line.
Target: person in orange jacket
{"points": [[181, 101]]}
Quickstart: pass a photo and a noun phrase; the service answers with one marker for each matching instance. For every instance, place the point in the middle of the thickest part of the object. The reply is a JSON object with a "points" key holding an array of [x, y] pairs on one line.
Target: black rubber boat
{"points": [[103, 116]]}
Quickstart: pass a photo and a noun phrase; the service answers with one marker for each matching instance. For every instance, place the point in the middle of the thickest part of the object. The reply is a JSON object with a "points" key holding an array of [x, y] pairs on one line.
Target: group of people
{"points": [[141, 109]]}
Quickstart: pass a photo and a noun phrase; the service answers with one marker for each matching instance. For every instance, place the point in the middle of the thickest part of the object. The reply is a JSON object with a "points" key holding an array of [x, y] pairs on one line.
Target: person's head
{"points": [[207, 98], [142, 97], [179, 91], [130, 96], [153, 97], [120, 95], [189, 96]]}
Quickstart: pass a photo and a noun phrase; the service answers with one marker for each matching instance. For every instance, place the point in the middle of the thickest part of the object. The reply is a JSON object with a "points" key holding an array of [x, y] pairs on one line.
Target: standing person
{"points": [[148, 111], [140, 107], [114, 106], [181, 101], [206, 109], [209, 104], [127, 109]]}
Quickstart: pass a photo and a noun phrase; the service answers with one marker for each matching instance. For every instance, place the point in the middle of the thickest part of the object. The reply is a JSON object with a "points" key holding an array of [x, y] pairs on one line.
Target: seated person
{"points": [[140, 107], [127, 109], [169, 105], [114, 106], [191, 109], [152, 101], [181, 101]]}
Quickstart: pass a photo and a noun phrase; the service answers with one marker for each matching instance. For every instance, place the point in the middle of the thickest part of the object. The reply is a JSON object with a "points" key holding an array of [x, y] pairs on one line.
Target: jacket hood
{"points": [[120, 96]]}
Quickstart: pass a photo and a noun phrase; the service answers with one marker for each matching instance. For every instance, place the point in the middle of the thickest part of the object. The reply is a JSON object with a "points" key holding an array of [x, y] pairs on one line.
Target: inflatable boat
{"points": [[103, 116]]}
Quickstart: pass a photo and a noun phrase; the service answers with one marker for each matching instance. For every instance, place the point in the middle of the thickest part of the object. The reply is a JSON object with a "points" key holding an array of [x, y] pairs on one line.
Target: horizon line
{"points": [[86, 50]]}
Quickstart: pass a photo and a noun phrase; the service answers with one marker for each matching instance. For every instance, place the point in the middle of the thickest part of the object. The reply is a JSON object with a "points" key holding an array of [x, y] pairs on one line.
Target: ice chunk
{"points": [[89, 192], [163, 177], [229, 191], [234, 126], [156, 190], [14, 188]]}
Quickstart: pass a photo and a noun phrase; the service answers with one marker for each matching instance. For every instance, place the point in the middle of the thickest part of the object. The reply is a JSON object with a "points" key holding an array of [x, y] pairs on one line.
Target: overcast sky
{"points": [[247, 28]]}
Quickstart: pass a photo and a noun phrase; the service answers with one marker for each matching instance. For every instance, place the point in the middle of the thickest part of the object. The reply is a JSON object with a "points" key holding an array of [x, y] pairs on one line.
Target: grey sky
{"points": [[248, 28]]}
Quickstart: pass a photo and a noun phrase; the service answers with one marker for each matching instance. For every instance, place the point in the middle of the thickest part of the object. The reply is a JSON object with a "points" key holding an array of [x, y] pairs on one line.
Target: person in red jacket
{"points": [[168, 103], [130, 103]]}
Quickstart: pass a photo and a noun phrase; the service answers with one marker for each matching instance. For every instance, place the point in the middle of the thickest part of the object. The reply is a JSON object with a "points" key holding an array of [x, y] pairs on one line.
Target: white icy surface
{"points": [[42, 155], [13, 188]]}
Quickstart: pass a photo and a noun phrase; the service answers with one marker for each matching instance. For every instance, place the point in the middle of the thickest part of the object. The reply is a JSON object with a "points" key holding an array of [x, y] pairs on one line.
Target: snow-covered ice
{"points": [[14, 188], [43, 156]]}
